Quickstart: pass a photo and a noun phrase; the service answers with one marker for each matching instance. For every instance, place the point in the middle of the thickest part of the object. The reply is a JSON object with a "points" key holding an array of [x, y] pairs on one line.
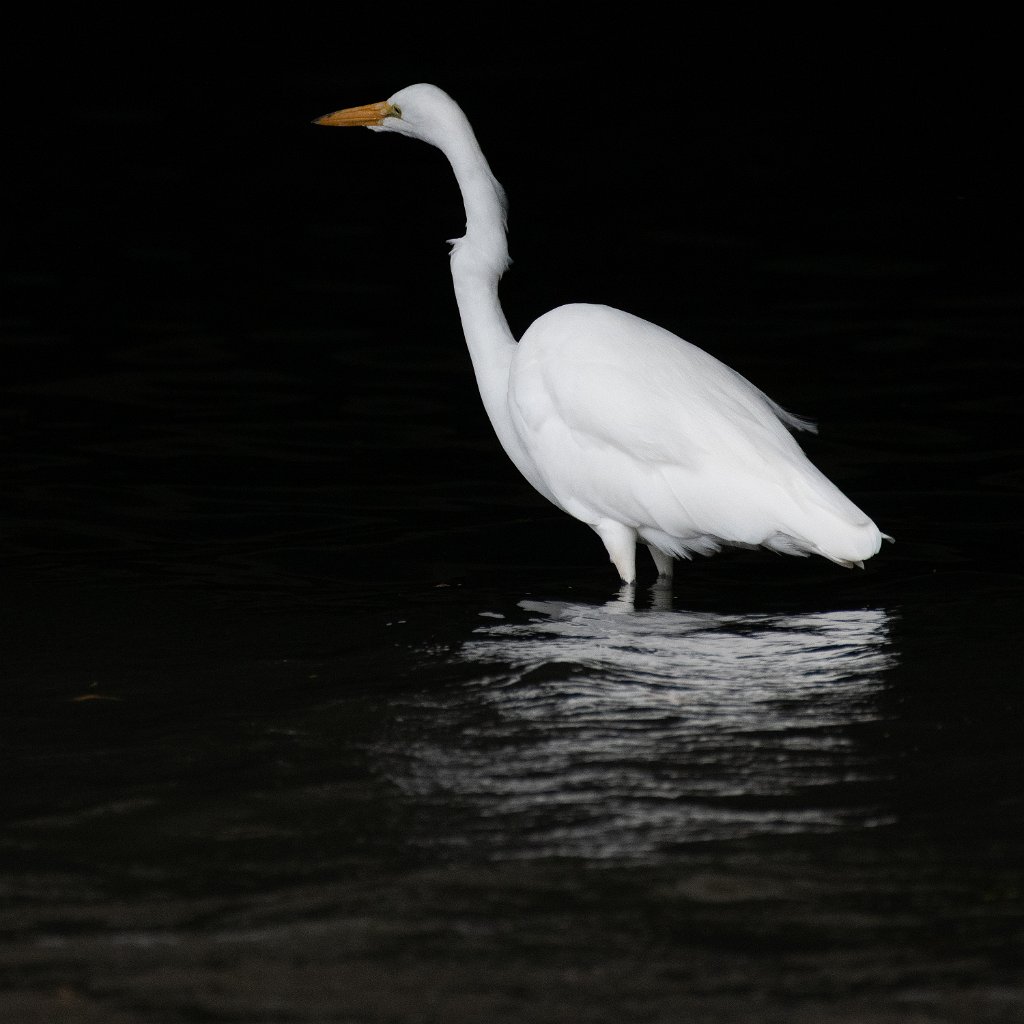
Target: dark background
{"points": [[171, 170], [243, 447], [749, 186]]}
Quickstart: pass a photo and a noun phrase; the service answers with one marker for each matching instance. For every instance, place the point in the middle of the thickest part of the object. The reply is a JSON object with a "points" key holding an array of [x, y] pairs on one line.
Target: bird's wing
{"points": [[627, 421], [617, 381]]}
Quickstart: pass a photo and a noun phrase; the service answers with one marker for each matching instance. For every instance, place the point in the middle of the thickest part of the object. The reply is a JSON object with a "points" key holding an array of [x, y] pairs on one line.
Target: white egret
{"points": [[635, 432]]}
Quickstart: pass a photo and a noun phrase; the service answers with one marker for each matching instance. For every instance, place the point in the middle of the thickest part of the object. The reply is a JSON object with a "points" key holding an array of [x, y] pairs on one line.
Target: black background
{"points": [[167, 167], [164, 169], [734, 183]]}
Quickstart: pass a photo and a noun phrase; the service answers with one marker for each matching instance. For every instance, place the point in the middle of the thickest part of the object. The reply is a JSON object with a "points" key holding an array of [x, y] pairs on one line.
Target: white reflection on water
{"points": [[607, 732]]}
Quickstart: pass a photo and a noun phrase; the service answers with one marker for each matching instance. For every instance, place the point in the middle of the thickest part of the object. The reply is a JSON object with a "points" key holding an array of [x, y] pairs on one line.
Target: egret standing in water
{"points": [[635, 432]]}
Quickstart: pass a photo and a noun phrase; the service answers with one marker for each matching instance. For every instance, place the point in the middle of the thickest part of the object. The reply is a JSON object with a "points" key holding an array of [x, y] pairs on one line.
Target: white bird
{"points": [[635, 432]]}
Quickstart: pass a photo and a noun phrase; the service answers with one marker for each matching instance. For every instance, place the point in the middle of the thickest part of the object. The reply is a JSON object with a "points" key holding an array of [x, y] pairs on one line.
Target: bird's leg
{"points": [[620, 542], [664, 562]]}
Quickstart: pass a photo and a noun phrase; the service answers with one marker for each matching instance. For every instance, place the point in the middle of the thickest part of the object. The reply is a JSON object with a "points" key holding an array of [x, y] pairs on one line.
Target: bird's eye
{"points": [[396, 110]]}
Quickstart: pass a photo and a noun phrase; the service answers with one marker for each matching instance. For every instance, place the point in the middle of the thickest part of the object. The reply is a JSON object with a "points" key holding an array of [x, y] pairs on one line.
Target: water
{"points": [[614, 735], [313, 712]]}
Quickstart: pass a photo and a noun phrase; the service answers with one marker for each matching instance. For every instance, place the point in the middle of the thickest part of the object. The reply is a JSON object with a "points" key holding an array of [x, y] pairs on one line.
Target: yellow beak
{"points": [[368, 115]]}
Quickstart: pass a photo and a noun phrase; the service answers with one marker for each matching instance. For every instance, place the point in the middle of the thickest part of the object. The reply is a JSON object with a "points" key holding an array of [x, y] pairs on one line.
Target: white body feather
{"points": [[624, 421]]}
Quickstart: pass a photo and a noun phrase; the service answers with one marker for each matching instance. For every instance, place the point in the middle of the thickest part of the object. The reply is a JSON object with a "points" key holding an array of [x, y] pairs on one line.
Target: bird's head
{"points": [[419, 111]]}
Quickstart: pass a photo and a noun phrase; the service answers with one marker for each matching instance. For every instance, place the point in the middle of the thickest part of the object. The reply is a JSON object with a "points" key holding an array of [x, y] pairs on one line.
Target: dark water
{"points": [[312, 712]]}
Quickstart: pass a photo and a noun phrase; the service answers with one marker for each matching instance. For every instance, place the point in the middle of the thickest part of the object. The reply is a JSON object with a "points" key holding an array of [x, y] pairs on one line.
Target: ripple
{"points": [[601, 731]]}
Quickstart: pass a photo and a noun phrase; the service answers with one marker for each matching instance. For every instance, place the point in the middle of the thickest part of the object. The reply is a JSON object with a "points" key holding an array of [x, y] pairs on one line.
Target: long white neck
{"points": [[478, 261]]}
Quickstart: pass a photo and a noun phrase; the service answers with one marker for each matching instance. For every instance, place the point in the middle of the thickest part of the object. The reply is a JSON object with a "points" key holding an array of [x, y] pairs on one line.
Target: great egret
{"points": [[635, 432]]}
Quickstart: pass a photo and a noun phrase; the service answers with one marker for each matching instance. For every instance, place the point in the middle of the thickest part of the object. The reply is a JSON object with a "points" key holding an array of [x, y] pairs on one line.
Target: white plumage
{"points": [[625, 426]]}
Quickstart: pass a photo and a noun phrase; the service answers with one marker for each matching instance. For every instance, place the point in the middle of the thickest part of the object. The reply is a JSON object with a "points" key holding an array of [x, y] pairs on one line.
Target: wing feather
{"points": [[627, 421]]}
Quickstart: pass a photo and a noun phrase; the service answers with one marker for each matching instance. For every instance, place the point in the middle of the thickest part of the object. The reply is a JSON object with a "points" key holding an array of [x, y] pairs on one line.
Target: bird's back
{"points": [[625, 421]]}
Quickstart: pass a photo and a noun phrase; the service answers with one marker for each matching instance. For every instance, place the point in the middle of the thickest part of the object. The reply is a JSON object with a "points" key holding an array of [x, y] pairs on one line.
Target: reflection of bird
{"points": [[635, 432]]}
